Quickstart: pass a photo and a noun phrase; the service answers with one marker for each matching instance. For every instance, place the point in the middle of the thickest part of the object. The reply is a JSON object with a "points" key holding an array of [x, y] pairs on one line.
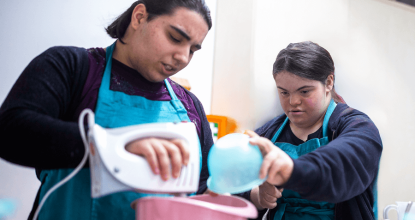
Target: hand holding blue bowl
{"points": [[234, 165]]}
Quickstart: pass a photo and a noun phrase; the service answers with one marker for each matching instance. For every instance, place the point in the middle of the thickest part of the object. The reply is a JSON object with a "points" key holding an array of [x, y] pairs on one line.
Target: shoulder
{"points": [[64, 52], [268, 129], [343, 111], [63, 58], [96, 54], [345, 117]]}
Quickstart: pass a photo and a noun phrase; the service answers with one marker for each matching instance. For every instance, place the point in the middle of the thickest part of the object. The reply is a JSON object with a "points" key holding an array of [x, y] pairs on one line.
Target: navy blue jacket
{"points": [[344, 171]]}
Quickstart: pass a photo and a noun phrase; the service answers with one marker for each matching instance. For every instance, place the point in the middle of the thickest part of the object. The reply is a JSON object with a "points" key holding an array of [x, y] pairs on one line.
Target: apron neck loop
{"points": [[277, 134], [105, 83], [170, 89], [109, 52], [329, 111]]}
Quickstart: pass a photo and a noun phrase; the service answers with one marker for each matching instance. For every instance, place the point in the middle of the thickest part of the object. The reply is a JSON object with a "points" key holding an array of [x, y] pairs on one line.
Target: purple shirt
{"points": [[129, 81]]}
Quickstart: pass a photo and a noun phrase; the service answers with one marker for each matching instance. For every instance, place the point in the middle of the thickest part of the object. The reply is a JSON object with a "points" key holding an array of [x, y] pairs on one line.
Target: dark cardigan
{"points": [[344, 171], [38, 119]]}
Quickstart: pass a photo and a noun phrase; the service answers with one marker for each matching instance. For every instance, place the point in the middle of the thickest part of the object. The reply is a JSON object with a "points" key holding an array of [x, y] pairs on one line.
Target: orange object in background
{"points": [[182, 81], [221, 126]]}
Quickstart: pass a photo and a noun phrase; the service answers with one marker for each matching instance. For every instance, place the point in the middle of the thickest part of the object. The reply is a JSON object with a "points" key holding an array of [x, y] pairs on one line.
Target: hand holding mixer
{"points": [[113, 169]]}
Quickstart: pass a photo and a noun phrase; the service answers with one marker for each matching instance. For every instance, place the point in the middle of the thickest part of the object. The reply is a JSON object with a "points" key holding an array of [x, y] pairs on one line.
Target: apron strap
{"points": [[107, 72], [181, 111], [329, 111], [170, 89], [277, 134]]}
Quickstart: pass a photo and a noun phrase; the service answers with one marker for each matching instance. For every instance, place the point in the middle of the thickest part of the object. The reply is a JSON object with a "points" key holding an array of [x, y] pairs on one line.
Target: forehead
{"points": [[189, 21], [290, 81]]}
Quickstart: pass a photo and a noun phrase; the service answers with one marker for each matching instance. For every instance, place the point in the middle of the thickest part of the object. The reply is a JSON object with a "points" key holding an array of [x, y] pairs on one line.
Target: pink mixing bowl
{"points": [[196, 207]]}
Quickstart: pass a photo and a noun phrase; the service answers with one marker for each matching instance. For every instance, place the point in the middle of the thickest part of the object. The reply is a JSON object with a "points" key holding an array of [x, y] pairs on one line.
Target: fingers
{"points": [[163, 156], [267, 162], [184, 149], [271, 190], [147, 152], [268, 195], [263, 144], [251, 134]]}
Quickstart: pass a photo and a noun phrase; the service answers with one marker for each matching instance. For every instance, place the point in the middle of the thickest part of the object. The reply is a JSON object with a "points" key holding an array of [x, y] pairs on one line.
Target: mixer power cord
{"points": [[91, 122]]}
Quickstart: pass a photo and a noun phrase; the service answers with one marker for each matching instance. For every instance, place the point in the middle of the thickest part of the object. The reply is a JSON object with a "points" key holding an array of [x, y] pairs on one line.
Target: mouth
{"points": [[296, 112], [169, 69]]}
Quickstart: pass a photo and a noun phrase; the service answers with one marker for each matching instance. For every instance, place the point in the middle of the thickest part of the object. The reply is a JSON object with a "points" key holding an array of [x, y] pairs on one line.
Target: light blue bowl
{"points": [[234, 165], [7, 208]]}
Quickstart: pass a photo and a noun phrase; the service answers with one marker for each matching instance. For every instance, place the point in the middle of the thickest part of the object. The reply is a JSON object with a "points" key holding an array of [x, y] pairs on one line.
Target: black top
{"points": [[37, 124], [344, 171]]}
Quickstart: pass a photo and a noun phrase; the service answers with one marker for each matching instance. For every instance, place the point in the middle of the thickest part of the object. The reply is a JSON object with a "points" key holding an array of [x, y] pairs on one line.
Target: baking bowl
{"points": [[201, 207], [234, 165]]}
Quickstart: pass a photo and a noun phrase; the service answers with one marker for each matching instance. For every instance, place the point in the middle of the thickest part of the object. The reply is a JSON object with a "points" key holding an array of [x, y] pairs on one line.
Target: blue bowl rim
{"points": [[234, 190]]}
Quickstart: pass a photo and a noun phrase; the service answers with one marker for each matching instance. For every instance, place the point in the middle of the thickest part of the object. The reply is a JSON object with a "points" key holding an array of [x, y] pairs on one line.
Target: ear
{"points": [[139, 16], [330, 82]]}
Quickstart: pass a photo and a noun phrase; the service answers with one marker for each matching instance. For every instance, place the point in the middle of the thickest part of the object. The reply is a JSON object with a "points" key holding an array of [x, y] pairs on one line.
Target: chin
{"points": [[297, 121], [156, 78]]}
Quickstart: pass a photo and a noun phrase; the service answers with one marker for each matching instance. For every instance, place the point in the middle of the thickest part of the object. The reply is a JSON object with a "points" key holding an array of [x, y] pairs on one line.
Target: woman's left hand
{"points": [[276, 164]]}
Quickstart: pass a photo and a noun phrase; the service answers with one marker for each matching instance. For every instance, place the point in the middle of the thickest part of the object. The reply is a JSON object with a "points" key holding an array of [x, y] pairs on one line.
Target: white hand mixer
{"points": [[113, 169]]}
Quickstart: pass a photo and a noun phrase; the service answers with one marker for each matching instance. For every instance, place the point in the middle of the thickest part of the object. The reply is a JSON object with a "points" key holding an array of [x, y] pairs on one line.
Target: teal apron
{"points": [[291, 206], [114, 109]]}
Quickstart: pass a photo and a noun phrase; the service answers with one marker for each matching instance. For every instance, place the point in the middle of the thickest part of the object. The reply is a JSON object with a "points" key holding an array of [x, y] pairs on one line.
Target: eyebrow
{"points": [[297, 89], [185, 36]]}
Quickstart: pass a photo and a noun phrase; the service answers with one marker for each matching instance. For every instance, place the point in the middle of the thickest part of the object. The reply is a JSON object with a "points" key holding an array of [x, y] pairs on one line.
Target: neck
{"points": [[120, 54], [303, 132]]}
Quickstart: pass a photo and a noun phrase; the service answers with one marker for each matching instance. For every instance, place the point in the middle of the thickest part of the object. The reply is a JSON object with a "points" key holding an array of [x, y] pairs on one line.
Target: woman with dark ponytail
{"points": [[321, 157], [125, 84]]}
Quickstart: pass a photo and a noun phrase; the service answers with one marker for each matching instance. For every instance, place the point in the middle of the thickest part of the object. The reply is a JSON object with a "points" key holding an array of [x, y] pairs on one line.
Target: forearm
{"points": [[35, 140], [339, 171]]}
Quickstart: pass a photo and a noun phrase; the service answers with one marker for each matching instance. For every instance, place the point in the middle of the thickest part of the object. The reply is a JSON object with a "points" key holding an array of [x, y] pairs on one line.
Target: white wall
{"points": [[373, 46], [30, 27]]}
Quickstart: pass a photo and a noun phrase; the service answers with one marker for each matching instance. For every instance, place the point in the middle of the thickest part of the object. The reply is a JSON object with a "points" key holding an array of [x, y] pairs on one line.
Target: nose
{"points": [[182, 55], [295, 100]]}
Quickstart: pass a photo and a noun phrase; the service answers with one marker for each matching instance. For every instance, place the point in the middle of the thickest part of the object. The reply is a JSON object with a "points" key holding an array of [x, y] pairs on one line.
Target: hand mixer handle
{"points": [[128, 171]]}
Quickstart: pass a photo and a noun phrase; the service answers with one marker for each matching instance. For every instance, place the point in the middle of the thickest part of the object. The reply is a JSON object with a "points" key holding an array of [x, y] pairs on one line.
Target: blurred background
{"points": [[372, 43]]}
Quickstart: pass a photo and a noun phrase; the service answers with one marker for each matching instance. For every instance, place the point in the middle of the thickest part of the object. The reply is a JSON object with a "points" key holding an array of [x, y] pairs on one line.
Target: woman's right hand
{"points": [[161, 153], [277, 165]]}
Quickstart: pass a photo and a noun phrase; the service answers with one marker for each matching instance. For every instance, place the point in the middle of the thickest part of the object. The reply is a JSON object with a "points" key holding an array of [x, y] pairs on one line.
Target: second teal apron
{"points": [[114, 109], [291, 206]]}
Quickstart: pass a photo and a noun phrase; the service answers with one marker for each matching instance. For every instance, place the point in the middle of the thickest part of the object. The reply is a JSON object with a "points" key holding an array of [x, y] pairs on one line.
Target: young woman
{"points": [[126, 83], [321, 156]]}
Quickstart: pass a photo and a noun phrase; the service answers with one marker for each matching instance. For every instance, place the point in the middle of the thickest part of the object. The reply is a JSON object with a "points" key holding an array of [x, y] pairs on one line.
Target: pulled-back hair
{"points": [[307, 60], [156, 8]]}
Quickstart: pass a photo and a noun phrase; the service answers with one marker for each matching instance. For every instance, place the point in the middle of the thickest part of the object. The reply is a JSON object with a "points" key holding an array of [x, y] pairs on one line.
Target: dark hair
{"points": [[156, 8], [307, 60]]}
